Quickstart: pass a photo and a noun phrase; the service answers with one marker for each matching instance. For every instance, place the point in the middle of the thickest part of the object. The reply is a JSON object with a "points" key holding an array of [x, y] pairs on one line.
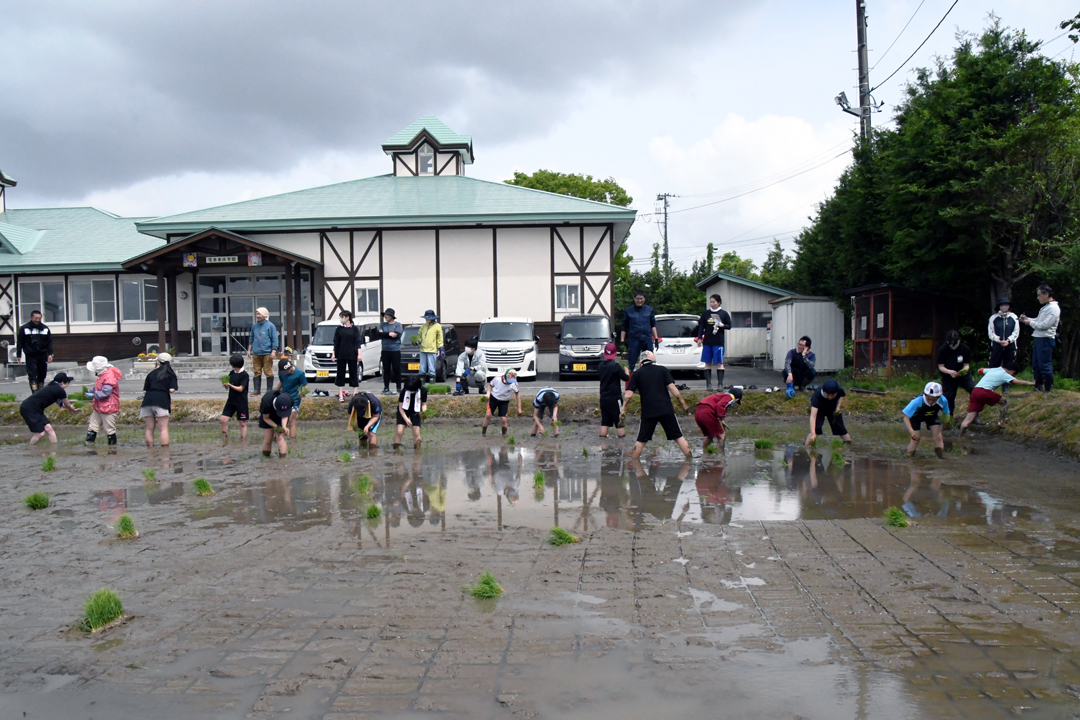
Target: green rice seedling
{"points": [[486, 586], [85, 392], [895, 517], [428, 414], [362, 485], [584, 452], [556, 423], [125, 527], [711, 449], [344, 456], [225, 379], [101, 608], [438, 389], [511, 440], [7, 397], [149, 474], [763, 444], [538, 479], [562, 537], [837, 443], [202, 486], [49, 464], [304, 390], [373, 512], [78, 404], [36, 501], [538, 493]]}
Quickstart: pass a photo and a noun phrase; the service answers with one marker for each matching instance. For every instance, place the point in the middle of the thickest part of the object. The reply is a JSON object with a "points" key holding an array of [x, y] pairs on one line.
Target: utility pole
{"points": [[662, 207], [864, 69]]}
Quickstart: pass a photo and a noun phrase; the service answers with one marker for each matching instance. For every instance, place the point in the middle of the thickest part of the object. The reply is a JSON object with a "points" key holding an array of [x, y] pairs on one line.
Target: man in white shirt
{"points": [[1043, 335]]}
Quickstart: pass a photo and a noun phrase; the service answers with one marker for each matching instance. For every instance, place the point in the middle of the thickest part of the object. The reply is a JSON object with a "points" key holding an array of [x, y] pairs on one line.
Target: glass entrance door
{"points": [[227, 307], [213, 323]]}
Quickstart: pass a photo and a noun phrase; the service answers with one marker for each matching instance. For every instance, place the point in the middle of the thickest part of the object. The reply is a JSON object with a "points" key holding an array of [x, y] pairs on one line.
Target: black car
{"points": [[410, 352], [581, 344]]}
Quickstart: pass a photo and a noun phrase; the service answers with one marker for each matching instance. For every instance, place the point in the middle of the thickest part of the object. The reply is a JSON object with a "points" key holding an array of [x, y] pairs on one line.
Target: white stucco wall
{"points": [[466, 275], [302, 244], [524, 266], [409, 277]]}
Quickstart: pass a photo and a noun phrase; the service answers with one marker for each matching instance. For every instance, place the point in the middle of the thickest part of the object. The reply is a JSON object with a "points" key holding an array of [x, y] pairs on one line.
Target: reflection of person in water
{"points": [[505, 478], [614, 499], [714, 494], [929, 497], [688, 502]]}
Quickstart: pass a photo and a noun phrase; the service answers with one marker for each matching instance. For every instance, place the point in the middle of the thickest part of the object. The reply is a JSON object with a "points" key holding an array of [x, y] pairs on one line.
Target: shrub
{"points": [[125, 527], [562, 537], [895, 517], [36, 501], [202, 486], [486, 586], [101, 608]]}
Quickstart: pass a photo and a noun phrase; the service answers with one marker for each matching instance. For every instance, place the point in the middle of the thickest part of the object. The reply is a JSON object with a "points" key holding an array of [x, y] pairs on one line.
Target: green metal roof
{"points": [[389, 201], [18, 239], [7, 180], [70, 240], [434, 127], [742, 281]]}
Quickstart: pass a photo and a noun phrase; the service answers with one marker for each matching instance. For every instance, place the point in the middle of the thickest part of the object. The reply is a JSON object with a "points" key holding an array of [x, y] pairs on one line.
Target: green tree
{"points": [[731, 263], [776, 270]]}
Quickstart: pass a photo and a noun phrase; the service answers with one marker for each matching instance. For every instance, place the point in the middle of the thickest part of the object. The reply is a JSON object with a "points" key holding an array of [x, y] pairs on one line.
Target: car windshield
{"points": [[506, 332], [411, 336], [676, 328], [324, 335], [586, 329]]}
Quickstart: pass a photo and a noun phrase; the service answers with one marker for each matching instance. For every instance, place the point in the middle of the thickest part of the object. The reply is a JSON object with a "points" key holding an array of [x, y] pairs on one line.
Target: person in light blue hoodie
{"points": [[263, 349]]}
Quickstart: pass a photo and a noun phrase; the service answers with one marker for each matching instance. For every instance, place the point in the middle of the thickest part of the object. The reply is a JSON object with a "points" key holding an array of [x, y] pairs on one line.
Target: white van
{"points": [[317, 362], [509, 342]]}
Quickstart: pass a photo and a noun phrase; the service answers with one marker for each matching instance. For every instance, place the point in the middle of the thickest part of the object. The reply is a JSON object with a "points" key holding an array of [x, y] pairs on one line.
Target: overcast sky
{"points": [[145, 108]]}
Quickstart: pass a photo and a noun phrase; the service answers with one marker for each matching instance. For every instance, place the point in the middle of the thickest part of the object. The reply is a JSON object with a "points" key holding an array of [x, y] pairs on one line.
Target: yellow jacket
{"points": [[431, 338]]}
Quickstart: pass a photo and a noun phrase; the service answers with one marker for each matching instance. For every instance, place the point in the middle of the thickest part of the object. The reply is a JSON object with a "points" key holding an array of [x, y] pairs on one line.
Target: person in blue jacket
{"points": [[927, 410], [638, 329]]}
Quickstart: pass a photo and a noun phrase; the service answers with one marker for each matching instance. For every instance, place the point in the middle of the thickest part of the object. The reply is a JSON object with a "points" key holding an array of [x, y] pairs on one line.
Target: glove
{"points": [[790, 392], [442, 352], [465, 373], [89, 396]]}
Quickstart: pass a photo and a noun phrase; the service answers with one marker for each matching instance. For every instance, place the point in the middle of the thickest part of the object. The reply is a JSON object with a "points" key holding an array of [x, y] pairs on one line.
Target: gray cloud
{"points": [[99, 96]]}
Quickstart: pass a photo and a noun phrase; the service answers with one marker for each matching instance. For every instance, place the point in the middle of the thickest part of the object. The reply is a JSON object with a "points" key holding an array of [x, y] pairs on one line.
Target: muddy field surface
{"points": [[757, 583]]}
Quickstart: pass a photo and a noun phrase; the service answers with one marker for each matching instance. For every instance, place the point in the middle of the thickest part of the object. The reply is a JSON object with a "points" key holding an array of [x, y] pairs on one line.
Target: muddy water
{"points": [[495, 488]]}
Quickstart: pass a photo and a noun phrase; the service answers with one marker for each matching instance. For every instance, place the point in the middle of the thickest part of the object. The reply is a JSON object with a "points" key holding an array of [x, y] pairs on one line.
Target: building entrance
{"points": [[227, 305]]}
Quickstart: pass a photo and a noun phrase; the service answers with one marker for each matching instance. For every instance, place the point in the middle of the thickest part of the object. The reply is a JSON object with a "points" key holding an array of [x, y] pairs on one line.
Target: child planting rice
{"points": [[926, 409]]}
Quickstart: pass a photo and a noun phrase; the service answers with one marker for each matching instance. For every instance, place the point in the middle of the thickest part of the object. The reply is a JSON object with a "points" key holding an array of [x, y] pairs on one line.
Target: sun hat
{"points": [[610, 351], [1002, 301], [932, 389], [98, 364], [390, 312], [263, 311], [430, 315]]}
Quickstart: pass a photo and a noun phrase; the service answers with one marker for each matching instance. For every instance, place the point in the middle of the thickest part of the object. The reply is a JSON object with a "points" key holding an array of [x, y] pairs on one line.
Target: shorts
{"points": [[918, 421], [706, 419], [236, 409], [35, 420], [611, 413], [540, 410], [669, 422], [153, 411], [836, 424], [265, 425], [416, 418], [980, 398], [500, 407], [295, 405], [374, 428], [712, 354]]}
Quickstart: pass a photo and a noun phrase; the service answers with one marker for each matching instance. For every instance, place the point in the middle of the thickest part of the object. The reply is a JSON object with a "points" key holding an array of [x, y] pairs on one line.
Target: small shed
{"points": [[747, 301], [897, 329], [818, 318]]}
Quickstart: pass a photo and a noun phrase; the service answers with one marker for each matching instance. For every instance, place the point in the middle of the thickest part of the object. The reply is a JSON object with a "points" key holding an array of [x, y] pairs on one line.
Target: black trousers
{"points": [[949, 386], [37, 367], [800, 376], [349, 362], [391, 368], [1001, 355]]}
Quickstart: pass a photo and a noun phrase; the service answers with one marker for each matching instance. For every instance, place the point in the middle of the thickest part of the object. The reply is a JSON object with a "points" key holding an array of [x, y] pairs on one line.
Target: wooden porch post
{"points": [[162, 341], [299, 302], [174, 319], [287, 311]]}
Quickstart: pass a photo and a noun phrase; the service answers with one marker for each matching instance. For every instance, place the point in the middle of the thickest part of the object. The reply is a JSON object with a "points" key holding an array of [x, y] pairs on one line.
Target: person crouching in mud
{"points": [[365, 415], [275, 411]]}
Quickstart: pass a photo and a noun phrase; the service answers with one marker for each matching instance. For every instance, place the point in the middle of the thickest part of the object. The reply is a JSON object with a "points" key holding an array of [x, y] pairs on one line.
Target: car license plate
{"points": [[678, 351], [322, 373], [580, 367], [414, 366]]}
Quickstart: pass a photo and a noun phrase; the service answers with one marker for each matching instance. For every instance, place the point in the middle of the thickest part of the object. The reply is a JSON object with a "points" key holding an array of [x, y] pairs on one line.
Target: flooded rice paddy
{"points": [[755, 583]]}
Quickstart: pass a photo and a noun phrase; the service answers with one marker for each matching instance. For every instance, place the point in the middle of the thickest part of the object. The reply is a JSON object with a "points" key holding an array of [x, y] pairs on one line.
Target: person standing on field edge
{"points": [[390, 333], [638, 329], [431, 345], [35, 343], [1003, 328], [1043, 335], [954, 364], [262, 349], [347, 346], [710, 336]]}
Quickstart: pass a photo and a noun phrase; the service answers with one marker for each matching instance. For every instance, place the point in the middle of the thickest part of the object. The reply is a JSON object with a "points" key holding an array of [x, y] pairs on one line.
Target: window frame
{"points": [[142, 281], [95, 283], [41, 282], [764, 317], [367, 294], [425, 150], [566, 306]]}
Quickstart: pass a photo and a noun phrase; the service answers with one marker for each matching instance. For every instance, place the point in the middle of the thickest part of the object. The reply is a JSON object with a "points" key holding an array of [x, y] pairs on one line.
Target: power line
{"points": [[918, 48], [898, 36], [767, 178]]}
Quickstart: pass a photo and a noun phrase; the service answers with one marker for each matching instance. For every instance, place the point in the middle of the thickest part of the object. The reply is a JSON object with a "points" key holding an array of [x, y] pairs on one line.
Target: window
{"points": [[46, 297], [367, 301], [425, 161], [566, 297], [93, 301], [139, 299], [749, 320]]}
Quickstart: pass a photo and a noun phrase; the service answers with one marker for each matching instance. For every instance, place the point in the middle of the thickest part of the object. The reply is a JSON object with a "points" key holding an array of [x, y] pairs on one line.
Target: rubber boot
{"points": [[91, 436], [112, 439], [1049, 386], [940, 453], [258, 384], [720, 380], [708, 380]]}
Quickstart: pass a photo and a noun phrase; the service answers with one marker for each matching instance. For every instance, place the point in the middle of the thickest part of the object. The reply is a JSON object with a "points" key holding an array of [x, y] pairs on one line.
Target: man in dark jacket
{"points": [[638, 328], [710, 335], [390, 333], [35, 343]]}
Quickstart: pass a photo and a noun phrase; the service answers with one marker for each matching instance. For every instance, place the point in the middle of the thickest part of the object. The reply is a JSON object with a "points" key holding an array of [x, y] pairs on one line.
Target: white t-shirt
{"points": [[502, 390]]}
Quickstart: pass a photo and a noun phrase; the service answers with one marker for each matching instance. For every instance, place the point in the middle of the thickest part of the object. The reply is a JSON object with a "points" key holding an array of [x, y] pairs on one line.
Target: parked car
{"points": [[677, 350], [509, 342], [317, 362], [581, 344], [410, 352]]}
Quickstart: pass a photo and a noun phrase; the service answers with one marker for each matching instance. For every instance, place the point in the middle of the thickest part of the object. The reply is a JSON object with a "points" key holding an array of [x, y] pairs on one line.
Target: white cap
{"points": [[164, 357], [932, 389]]}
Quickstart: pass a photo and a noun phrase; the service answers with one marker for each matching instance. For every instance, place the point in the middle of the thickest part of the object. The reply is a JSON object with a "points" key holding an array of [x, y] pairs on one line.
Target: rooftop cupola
{"points": [[429, 147], [5, 183]]}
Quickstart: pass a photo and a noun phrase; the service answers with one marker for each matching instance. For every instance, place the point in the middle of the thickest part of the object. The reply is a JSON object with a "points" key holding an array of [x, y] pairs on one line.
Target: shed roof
{"points": [[388, 201], [69, 240], [801, 298], [718, 275], [437, 130]]}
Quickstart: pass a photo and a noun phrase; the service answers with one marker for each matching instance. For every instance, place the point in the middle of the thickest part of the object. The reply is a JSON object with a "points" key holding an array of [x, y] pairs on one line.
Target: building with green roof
{"points": [[422, 237]]}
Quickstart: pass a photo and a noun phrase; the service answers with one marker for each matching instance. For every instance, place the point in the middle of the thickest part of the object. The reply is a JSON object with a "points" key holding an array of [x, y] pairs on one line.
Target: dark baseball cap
{"points": [[62, 377], [282, 403], [830, 386]]}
